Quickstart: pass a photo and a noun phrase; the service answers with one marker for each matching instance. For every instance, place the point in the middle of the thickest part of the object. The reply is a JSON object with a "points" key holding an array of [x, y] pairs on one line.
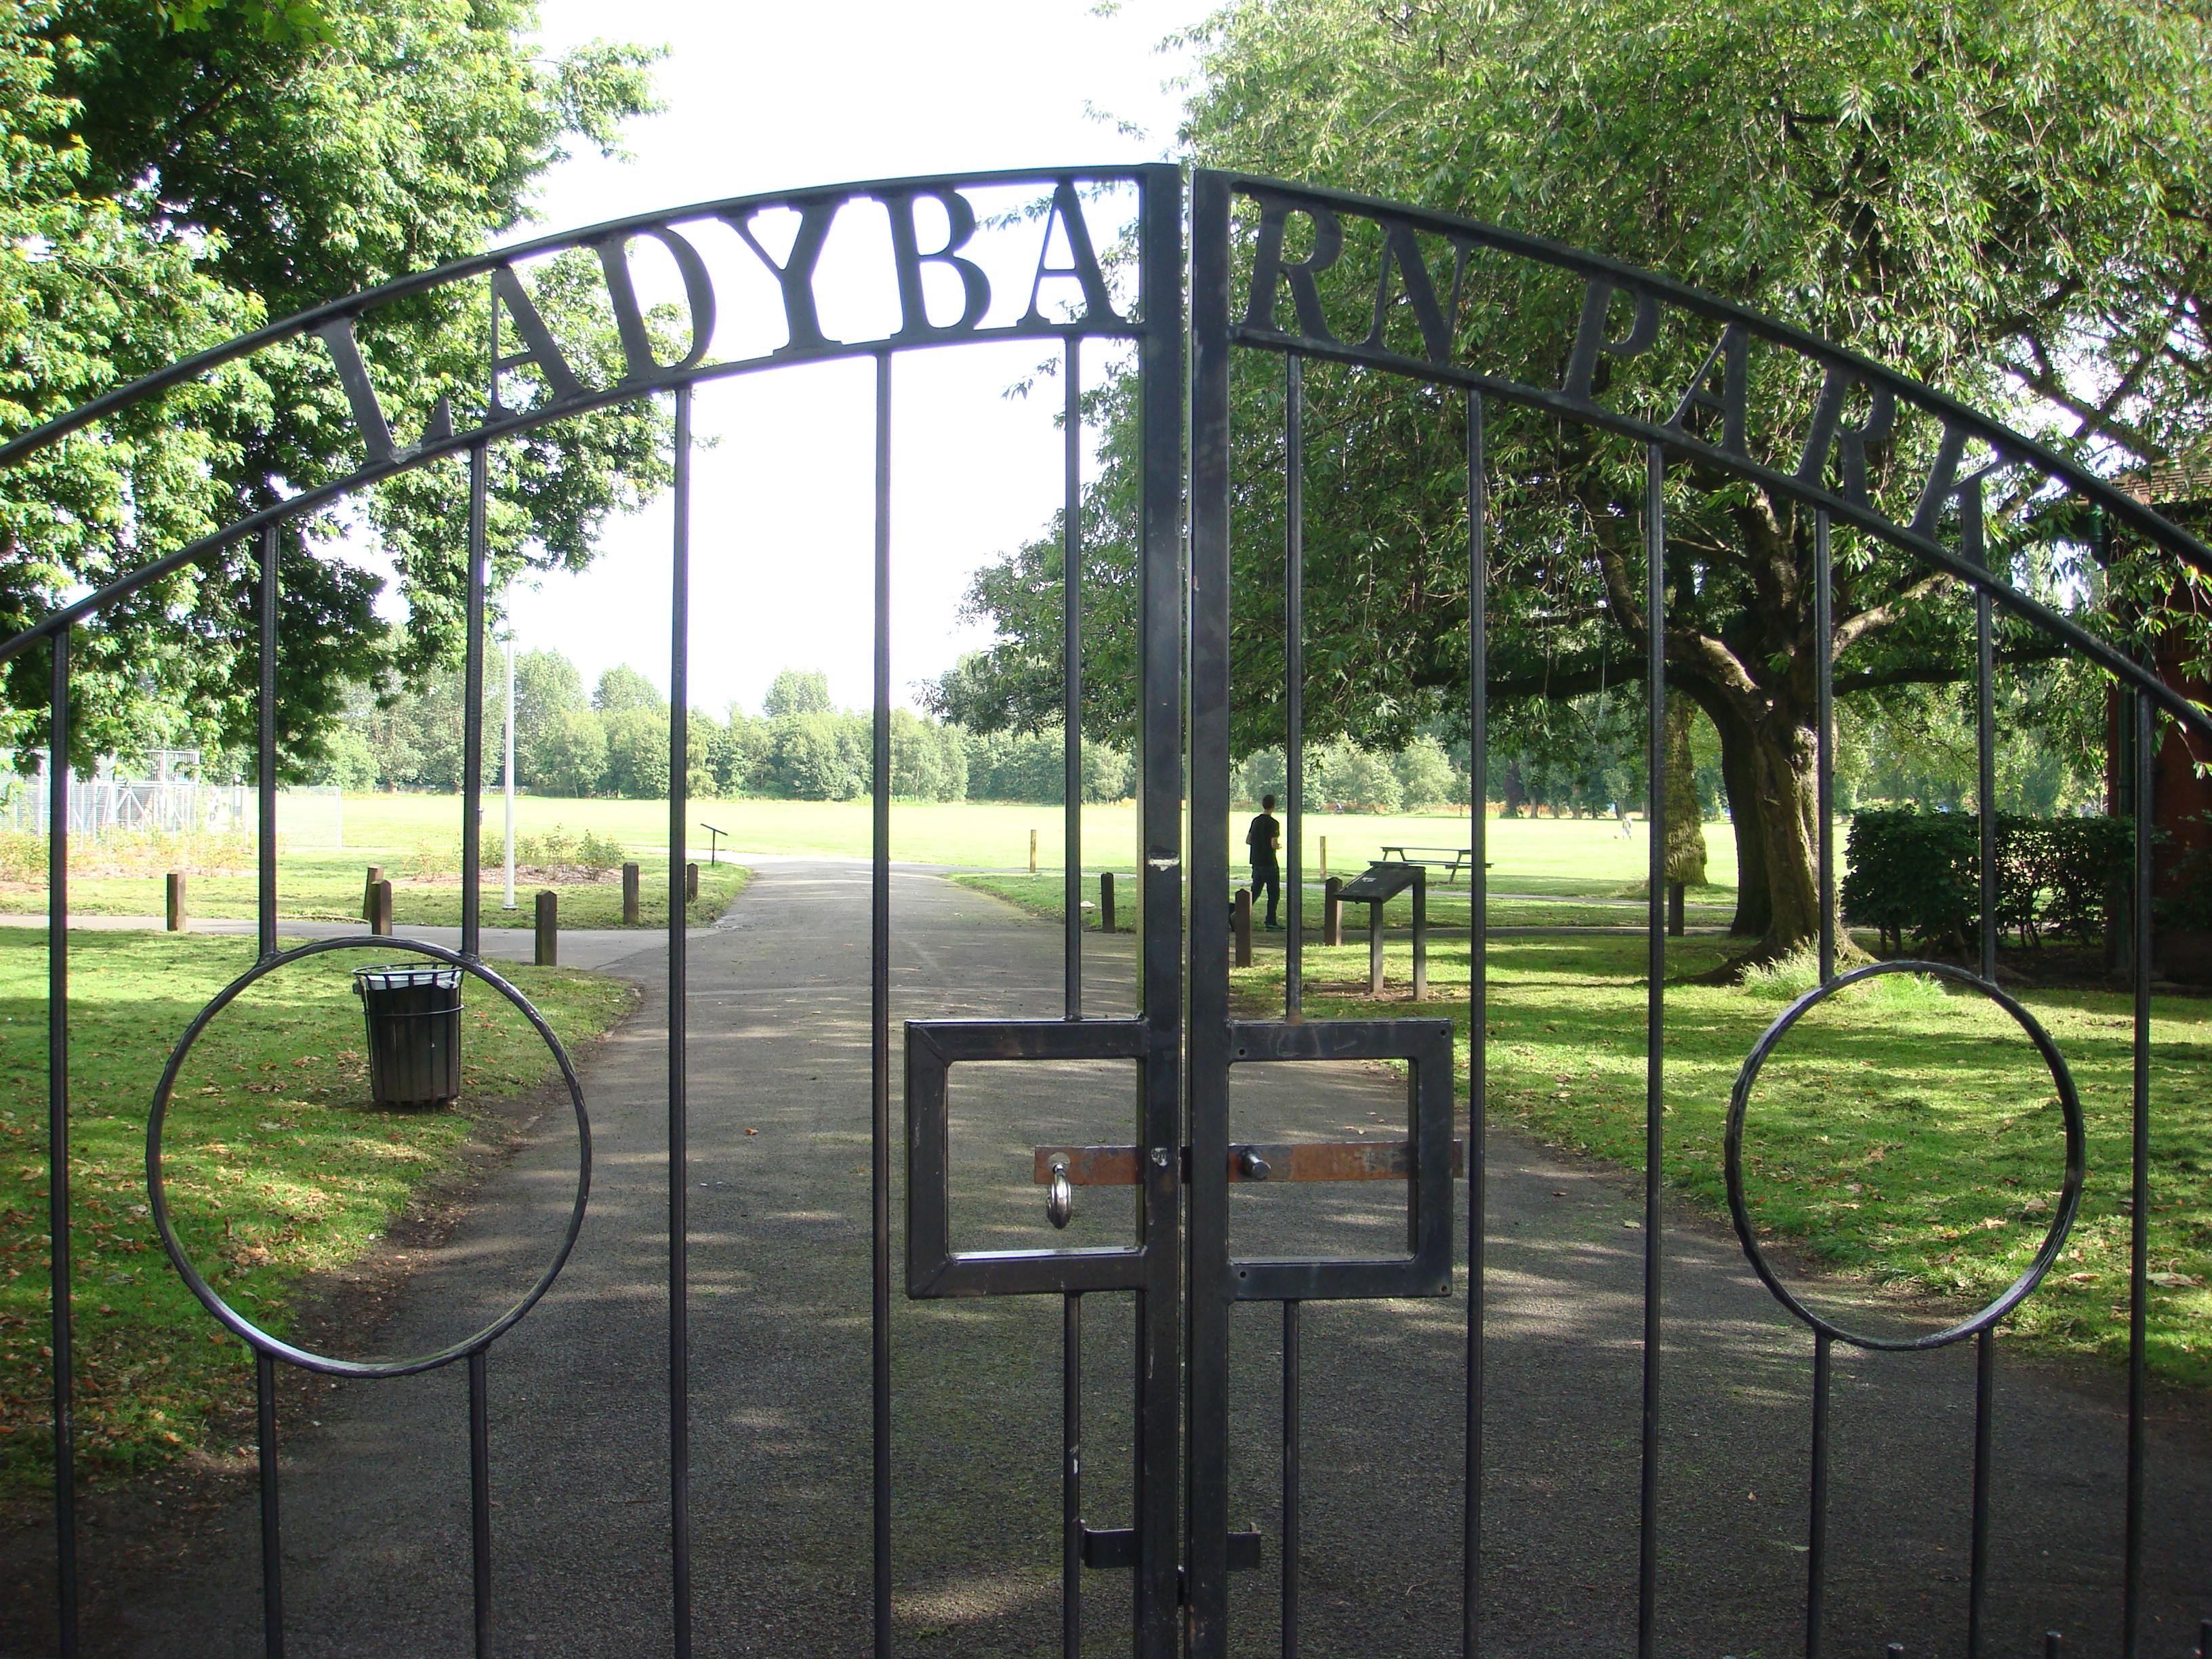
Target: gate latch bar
{"points": [[1321, 1160]]}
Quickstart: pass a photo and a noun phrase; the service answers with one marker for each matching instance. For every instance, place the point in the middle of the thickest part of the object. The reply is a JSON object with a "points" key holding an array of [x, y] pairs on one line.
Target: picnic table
{"points": [[1451, 860]]}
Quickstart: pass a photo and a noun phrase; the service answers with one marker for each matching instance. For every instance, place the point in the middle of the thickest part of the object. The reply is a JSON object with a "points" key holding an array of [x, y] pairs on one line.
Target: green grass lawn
{"points": [[327, 886], [1043, 895], [1585, 857], [1906, 1140], [279, 1167]]}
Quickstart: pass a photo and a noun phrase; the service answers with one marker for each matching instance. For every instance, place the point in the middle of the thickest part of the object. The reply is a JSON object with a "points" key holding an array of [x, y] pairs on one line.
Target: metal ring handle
{"points": [[1060, 1196]]}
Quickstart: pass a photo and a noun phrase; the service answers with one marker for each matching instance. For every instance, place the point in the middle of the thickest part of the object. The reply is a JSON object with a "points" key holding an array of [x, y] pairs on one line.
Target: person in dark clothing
{"points": [[1263, 839]]}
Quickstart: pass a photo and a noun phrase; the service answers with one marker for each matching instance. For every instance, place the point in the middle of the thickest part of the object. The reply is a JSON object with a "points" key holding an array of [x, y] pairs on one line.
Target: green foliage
{"points": [[1917, 875], [173, 176], [796, 691], [623, 689], [570, 757], [2001, 201]]}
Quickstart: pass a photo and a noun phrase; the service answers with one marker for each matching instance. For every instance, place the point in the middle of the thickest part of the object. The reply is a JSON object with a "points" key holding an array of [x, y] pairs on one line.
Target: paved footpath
{"points": [[376, 1494]]}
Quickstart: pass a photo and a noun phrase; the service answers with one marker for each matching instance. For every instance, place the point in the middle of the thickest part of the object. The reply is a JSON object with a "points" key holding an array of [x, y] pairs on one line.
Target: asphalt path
{"points": [[376, 1534]]}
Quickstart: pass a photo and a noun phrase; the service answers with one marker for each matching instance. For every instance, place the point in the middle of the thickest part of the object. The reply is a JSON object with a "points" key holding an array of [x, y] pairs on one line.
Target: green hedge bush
{"points": [[1917, 875]]}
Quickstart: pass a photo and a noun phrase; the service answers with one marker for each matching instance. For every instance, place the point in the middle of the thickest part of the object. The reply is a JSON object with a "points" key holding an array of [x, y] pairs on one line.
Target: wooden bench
{"points": [[1451, 860]]}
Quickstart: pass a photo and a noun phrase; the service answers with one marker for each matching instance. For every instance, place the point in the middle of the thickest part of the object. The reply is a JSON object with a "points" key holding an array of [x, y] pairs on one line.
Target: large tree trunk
{"points": [[1753, 907], [1686, 829], [1773, 788]]}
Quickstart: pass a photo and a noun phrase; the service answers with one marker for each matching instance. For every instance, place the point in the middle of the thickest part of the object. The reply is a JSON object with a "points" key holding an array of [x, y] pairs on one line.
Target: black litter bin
{"points": [[414, 1018]]}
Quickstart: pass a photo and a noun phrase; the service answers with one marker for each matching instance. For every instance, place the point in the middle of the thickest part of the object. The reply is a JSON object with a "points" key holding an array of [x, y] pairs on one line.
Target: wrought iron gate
{"points": [[1185, 1037]]}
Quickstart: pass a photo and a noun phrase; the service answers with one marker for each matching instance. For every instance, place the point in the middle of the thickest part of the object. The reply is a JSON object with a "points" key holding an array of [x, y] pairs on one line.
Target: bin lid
{"points": [[398, 977]]}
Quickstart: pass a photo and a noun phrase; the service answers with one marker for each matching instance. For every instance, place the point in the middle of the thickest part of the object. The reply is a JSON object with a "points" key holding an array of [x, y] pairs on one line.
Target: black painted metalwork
{"points": [[1180, 1273], [679, 1127]]}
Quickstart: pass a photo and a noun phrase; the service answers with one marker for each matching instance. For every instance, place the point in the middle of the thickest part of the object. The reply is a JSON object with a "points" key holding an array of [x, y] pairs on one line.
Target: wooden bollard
{"points": [[1420, 934], [1033, 852], [691, 883], [1332, 911], [1241, 921], [369, 893], [549, 928], [1674, 893], [379, 909], [1324, 856], [176, 901], [629, 895], [1375, 947], [1106, 902]]}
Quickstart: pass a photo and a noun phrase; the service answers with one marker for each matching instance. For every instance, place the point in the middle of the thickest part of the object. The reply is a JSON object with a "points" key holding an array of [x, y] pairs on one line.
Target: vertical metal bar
{"points": [[472, 675], [1977, 1571], [265, 748], [480, 1497], [1976, 549], [1816, 1543], [1293, 1381], [60, 1289], [272, 1536], [507, 776], [1071, 674], [1294, 679], [1655, 1020], [1478, 993], [1824, 700], [679, 1124], [2139, 1186], [1207, 1132], [1071, 1476], [880, 1017]]}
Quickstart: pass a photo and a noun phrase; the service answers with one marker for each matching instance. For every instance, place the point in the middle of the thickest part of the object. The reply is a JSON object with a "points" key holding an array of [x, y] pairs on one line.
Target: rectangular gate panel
{"points": [[1426, 1270], [933, 1267]]}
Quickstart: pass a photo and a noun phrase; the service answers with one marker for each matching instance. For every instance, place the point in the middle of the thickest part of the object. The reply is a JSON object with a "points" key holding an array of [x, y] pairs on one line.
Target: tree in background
{"points": [[622, 689], [796, 691], [2007, 202], [546, 685], [164, 188]]}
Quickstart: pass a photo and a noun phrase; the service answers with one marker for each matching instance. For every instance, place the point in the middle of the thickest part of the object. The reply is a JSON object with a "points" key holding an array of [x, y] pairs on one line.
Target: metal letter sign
{"points": [[1059, 257]]}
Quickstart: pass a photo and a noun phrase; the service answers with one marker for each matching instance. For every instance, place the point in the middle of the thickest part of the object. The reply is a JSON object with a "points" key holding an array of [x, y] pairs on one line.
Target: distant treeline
{"points": [[614, 742], [1579, 757]]}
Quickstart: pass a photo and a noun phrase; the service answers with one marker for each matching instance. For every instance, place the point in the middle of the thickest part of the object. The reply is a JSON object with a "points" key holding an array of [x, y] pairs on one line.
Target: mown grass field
{"points": [[1906, 1140], [323, 886], [278, 1166]]}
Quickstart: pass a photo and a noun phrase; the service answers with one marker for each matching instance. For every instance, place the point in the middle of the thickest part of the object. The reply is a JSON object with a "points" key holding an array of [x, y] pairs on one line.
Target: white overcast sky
{"points": [[762, 98]]}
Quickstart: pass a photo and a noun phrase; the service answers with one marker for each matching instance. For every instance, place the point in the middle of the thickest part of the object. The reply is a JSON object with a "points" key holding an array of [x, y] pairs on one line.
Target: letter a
{"points": [[560, 383], [1097, 304]]}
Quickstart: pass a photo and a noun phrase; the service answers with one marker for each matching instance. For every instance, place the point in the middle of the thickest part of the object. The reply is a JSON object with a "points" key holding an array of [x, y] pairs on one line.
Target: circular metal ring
{"points": [[236, 1323], [2062, 1220]]}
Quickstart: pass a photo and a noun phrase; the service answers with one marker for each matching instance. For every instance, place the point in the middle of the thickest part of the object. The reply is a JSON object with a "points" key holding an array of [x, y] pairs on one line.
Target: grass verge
{"points": [[279, 1167], [328, 887], [1043, 895], [1907, 1140]]}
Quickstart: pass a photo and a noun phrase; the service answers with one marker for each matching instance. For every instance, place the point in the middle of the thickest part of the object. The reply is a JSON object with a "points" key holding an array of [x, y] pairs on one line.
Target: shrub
{"points": [[1917, 875]]}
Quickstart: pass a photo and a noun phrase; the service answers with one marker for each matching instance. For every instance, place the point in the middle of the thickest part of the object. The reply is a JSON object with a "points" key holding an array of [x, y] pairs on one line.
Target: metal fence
{"points": [[1181, 1276]]}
